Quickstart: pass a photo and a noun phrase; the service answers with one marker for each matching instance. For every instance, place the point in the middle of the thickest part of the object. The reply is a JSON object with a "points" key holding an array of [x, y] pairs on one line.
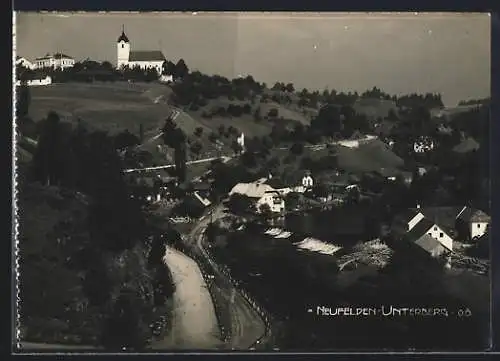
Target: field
{"points": [[111, 107]]}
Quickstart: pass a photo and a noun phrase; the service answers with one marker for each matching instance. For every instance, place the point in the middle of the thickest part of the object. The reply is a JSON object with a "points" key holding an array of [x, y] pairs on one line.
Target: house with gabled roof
{"points": [[415, 223], [472, 223]]}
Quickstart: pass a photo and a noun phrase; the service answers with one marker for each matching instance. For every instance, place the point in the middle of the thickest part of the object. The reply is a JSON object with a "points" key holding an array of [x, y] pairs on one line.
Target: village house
{"points": [[262, 194], [25, 63], [472, 224], [34, 79], [416, 222], [56, 61]]}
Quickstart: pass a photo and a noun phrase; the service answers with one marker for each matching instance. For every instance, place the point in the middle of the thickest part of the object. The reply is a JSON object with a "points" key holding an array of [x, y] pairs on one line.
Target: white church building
{"points": [[145, 59]]}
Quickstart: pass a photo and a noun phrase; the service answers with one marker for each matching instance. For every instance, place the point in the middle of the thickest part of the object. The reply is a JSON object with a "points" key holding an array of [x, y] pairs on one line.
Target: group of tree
{"points": [[232, 110], [72, 158], [197, 88], [174, 137]]}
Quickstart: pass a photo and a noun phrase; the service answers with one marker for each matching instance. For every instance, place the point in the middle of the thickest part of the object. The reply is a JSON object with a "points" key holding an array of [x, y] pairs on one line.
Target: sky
{"points": [[399, 53]]}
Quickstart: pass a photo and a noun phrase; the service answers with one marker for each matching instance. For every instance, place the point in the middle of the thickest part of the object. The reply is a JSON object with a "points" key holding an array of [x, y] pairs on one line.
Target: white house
{"points": [[273, 200], [427, 227], [474, 221], [415, 224], [145, 59], [165, 78], [57, 61], [37, 80], [24, 63], [261, 193], [307, 180]]}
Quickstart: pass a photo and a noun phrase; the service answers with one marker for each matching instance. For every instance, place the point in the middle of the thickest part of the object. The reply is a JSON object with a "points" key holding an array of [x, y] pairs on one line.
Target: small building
{"points": [[35, 79], [165, 78], [261, 193], [472, 223], [415, 220], [425, 227], [56, 61], [25, 63], [307, 180], [273, 200]]}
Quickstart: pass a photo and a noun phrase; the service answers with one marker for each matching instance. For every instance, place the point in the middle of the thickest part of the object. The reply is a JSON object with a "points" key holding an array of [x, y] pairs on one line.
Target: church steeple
{"points": [[123, 37]]}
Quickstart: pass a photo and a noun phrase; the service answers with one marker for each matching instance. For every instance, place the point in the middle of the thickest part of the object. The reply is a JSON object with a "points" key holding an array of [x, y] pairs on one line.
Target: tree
{"points": [[48, 158], [198, 131], [125, 139], [292, 200], [265, 212], [297, 148], [240, 204], [256, 115], [289, 88], [196, 148], [213, 137], [236, 147], [23, 101], [168, 68], [141, 132], [181, 69]]}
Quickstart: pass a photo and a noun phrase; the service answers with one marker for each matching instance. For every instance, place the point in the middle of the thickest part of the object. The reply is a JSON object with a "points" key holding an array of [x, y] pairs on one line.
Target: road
{"points": [[194, 322], [205, 160], [247, 325]]}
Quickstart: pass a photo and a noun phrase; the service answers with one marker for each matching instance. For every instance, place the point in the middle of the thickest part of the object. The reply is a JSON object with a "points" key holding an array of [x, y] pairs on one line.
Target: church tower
{"points": [[122, 50]]}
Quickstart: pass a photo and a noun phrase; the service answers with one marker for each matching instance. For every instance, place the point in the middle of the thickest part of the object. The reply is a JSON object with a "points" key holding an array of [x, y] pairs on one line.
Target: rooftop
{"points": [[146, 55], [252, 190], [473, 215], [428, 243], [123, 37]]}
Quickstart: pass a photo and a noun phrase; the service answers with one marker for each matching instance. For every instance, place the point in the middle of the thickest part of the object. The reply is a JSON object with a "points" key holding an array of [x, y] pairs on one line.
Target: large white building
{"points": [[145, 59], [56, 61]]}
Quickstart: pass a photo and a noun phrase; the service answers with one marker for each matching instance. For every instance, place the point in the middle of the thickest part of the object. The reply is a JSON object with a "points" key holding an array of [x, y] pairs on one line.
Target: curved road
{"points": [[247, 325], [194, 322]]}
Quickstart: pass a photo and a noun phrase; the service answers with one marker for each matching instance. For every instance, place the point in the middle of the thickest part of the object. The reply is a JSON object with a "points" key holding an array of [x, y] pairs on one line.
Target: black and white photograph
{"points": [[251, 182]]}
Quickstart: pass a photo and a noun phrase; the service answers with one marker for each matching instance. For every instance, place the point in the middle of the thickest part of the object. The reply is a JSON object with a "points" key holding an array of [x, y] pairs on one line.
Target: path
{"points": [[194, 323]]}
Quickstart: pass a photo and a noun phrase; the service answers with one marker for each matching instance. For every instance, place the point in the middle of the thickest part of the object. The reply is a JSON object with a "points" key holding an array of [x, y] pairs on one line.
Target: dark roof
{"points": [[276, 183], [428, 243], [56, 55], [444, 217], [474, 215], [61, 55], [146, 55], [419, 230], [407, 215], [123, 37]]}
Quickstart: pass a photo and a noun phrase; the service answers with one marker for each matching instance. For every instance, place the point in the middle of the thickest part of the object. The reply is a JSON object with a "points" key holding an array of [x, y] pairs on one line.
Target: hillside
{"points": [[111, 107]]}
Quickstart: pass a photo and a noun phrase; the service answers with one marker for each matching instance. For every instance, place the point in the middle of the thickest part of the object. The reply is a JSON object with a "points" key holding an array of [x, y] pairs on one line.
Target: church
{"points": [[145, 59]]}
